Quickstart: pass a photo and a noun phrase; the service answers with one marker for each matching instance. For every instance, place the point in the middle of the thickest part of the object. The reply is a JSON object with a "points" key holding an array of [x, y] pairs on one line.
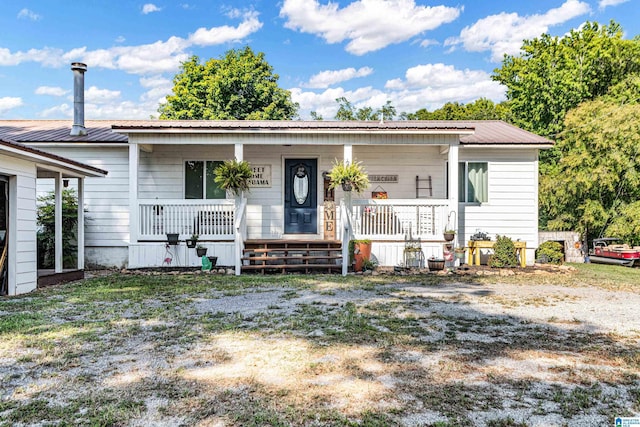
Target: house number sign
{"points": [[261, 176]]}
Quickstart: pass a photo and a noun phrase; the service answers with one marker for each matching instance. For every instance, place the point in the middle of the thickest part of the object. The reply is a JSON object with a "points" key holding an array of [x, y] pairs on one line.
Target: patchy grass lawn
{"points": [[206, 350]]}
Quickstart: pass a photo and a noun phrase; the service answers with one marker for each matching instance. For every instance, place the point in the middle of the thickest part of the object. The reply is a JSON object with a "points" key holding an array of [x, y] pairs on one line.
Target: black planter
{"points": [[213, 260], [172, 238], [201, 252], [346, 186], [191, 243]]}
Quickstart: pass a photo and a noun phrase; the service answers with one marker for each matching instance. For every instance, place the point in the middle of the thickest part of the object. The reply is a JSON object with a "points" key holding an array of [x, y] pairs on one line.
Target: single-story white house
{"points": [[436, 175], [426, 177], [20, 167]]}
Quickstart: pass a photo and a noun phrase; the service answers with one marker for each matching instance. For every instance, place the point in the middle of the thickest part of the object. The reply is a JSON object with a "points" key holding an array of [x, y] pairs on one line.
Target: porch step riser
{"points": [[283, 256]]}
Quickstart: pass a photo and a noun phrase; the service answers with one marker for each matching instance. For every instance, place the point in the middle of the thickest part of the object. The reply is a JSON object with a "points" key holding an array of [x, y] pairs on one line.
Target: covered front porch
{"points": [[419, 176]]}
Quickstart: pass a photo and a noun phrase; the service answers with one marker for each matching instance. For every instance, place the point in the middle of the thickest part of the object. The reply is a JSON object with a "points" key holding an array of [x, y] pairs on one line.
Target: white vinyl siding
{"points": [[106, 201], [512, 206], [22, 223]]}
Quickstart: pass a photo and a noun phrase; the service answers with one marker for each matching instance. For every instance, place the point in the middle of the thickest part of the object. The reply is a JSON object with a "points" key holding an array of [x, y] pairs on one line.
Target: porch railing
{"points": [[395, 218], [210, 219]]}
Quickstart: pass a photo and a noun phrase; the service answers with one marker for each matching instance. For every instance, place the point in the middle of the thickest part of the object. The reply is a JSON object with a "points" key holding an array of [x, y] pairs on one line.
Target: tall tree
{"points": [[552, 75], [480, 109], [347, 111], [241, 85], [595, 185]]}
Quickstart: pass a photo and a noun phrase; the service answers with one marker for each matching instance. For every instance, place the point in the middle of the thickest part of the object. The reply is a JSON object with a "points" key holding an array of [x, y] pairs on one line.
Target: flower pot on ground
{"points": [[172, 238], [351, 176], [459, 253], [201, 251], [361, 250], [213, 260], [435, 264]]}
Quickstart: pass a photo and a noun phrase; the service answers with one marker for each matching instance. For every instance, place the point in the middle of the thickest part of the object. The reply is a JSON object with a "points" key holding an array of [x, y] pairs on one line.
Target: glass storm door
{"points": [[300, 196]]}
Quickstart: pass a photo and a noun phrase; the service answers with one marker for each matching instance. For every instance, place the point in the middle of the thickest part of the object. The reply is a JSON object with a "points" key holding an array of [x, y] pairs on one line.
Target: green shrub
{"points": [[551, 251], [504, 253], [46, 220]]}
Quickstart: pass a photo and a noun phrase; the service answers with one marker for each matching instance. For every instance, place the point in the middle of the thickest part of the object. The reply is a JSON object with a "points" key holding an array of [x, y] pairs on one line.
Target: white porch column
{"points": [[58, 223], [348, 153], [238, 152], [134, 156], [453, 182], [80, 223]]}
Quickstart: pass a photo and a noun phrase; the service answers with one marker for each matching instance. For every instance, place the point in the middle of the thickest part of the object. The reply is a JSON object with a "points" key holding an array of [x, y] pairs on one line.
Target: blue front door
{"points": [[300, 196]]}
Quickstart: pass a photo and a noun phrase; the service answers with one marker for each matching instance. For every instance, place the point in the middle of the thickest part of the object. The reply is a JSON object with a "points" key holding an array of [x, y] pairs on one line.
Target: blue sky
{"points": [[416, 53]]}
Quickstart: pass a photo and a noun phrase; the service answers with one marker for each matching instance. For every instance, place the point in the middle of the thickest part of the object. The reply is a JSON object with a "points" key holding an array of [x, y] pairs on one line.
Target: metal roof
{"points": [[14, 148], [472, 132], [26, 131]]}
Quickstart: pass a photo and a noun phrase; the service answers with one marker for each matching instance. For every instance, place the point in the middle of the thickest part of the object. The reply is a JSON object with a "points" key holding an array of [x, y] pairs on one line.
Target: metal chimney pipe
{"points": [[78, 128]]}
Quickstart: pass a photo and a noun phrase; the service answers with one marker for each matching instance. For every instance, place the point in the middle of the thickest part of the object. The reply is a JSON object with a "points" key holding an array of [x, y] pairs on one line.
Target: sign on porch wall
{"points": [[261, 176], [383, 178]]}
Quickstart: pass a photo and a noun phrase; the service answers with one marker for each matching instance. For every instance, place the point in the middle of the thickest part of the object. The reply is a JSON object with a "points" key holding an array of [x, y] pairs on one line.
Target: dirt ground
{"points": [[143, 350]]}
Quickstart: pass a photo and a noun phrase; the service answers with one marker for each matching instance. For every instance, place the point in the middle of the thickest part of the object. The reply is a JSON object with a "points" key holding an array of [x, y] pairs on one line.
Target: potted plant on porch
{"points": [[233, 176], [351, 176]]}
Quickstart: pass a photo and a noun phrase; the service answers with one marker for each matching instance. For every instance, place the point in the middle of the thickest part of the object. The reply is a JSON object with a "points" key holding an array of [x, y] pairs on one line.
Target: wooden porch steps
{"points": [[282, 256]]}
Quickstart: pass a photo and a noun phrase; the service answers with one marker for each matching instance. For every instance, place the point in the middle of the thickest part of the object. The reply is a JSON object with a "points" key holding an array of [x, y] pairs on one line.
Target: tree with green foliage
{"points": [[552, 75], [480, 109], [46, 220], [347, 111], [241, 85], [595, 186]]}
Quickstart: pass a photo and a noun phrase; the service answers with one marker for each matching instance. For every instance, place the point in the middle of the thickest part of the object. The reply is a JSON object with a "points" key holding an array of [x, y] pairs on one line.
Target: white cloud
{"points": [[429, 42], [423, 86], [51, 90], [225, 33], [328, 78], [325, 104], [605, 3], [369, 25], [8, 103], [100, 96], [157, 87], [504, 32], [153, 58], [120, 39], [150, 8], [59, 111], [29, 14]]}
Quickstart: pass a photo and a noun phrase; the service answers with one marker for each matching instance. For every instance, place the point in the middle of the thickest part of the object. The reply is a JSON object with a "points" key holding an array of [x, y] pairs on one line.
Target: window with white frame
{"points": [[199, 180], [473, 182]]}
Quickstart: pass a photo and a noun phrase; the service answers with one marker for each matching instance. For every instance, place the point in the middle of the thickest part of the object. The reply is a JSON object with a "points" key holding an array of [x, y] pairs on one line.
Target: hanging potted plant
{"points": [[201, 251], [449, 235], [172, 238], [233, 176], [191, 242], [350, 176]]}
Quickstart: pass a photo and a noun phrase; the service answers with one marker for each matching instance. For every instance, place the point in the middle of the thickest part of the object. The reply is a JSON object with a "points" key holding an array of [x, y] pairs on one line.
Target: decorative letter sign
{"points": [[261, 176]]}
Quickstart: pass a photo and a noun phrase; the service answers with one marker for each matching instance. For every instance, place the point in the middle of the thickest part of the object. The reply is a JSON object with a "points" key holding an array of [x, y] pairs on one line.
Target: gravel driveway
{"points": [[321, 351]]}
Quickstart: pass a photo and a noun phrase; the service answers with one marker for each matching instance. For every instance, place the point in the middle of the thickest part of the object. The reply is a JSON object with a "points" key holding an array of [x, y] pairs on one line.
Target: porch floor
{"points": [[48, 277]]}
